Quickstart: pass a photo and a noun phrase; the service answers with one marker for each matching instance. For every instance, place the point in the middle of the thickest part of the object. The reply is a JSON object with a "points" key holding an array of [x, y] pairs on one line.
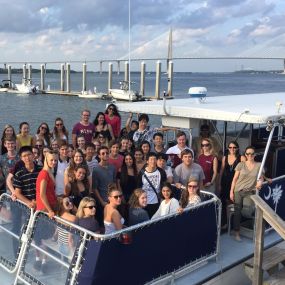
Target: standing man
{"points": [[83, 128], [24, 183], [188, 168], [150, 179], [103, 174], [8, 160], [25, 178], [175, 151]]}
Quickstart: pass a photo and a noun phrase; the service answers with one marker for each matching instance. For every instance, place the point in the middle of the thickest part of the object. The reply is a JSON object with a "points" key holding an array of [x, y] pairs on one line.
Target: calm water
{"points": [[15, 108]]}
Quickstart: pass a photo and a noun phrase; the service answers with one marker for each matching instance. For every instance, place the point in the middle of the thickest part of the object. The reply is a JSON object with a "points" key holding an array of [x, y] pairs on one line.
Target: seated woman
{"points": [[65, 240], [86, 215], [169, 204], [190, 196], [79, 187], [113, 221], [137, 203]]}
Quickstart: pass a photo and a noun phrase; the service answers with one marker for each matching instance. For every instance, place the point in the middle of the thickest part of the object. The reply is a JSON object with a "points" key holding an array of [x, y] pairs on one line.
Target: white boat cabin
{"points": [[244, 118]]}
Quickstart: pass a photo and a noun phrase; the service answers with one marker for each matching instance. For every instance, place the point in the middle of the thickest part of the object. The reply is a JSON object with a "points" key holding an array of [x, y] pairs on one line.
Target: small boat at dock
{"points": [[26, 87], [124, 94]]}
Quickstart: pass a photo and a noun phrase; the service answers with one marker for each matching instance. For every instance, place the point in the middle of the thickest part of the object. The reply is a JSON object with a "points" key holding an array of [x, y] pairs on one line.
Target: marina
{"points": [[151, 136]]}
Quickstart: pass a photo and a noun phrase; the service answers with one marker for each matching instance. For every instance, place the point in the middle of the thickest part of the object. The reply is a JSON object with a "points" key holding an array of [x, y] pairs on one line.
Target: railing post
{"points": [[258, 250]]}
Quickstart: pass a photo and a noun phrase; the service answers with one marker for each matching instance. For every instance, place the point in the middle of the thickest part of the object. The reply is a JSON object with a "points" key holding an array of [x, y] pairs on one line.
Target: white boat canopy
{"points": [[248, 108]]}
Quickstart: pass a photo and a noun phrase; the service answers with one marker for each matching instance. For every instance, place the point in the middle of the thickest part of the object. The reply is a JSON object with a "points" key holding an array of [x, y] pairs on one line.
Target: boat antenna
{"points": [[129, 50]]}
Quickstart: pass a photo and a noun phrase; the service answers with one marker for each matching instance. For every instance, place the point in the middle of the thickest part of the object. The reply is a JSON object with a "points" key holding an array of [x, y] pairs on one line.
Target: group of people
{"points": [[109, 177]]}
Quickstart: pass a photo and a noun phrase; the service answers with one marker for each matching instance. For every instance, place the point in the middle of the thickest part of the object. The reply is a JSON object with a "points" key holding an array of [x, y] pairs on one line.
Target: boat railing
{"points": [[263, 213], [83, 256]]}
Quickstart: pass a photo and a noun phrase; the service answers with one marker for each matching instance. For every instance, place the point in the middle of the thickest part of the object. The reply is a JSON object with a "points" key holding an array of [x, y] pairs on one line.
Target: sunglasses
{"points": [[111, 109], [117, 196], [250, 153], [39, 145], [232, 147], [205, 144], [104, 153], [59, 125], [192, 186], [44, 128], [91, 207], [100, 137]]}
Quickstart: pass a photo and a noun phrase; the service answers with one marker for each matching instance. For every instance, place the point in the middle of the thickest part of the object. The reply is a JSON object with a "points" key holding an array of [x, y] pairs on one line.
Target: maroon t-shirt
{"points": [[86, 131], [206, 162]]}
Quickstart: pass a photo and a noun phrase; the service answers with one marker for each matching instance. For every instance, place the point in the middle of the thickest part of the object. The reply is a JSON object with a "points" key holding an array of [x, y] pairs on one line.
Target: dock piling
{"points": [[24, 72], [110, 77], [42, 77], [10, 75], [157, 80], [118, 67], [68, 77], [30, 71], [101, 66], [62, 70], [170, 79], [142, 88], [127, 66]]}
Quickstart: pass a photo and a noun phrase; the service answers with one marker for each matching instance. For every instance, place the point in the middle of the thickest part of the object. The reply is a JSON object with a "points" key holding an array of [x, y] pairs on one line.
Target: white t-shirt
{"points": [[154, 178]]}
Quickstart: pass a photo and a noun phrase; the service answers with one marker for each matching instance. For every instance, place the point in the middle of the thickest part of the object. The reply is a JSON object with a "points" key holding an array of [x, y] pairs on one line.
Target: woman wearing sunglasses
{"points": [[86, 215], [43, 133], [244, 184], [113, 221], [229, 163], [209, 163], [59, 130]]}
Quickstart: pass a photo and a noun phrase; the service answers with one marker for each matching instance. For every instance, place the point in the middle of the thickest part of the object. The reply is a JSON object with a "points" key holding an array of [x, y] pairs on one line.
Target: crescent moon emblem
{"points": [[267, 197]]}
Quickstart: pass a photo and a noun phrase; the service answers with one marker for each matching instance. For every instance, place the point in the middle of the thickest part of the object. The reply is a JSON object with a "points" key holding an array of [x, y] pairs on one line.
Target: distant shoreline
{"points": [[35, 70]]}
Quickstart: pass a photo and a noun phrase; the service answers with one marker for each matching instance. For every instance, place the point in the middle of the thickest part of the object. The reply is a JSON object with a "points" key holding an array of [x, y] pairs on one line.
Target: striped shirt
{"points": [[26, 181]]}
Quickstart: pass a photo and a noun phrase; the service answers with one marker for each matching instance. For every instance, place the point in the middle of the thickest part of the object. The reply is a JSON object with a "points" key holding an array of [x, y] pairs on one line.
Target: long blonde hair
{"points": [[82, 205]]}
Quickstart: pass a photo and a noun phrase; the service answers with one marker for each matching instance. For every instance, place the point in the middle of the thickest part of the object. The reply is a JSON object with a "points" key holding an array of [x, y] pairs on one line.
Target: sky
{"points": [[73, 30]]}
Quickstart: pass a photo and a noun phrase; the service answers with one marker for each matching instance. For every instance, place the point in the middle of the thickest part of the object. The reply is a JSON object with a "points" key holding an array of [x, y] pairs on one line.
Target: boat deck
{"points": [[232, 253], [228, 267]]}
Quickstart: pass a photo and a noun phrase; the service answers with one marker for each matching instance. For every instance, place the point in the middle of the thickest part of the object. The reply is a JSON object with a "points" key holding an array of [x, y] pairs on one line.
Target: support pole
{"points": [[84, 67], [62, 71], [68, 77], [257, 277], [10, 76], [157, 80], [42, 77], [170, 79], [101, 66], [110, 77], [127, 71], [142, 89]]}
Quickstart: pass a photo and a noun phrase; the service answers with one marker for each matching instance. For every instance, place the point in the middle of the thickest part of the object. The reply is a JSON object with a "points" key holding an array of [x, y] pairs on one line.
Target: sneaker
{"points": [[44, 268], [37, 265]]}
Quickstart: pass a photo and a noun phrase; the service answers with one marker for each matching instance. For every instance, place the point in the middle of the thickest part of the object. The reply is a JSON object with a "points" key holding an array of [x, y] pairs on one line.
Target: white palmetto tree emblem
{"points": [[275, 194]]}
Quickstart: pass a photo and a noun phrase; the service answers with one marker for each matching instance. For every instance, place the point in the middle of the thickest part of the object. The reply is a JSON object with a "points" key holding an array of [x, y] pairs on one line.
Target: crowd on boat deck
{"points": [[103, 176]]}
